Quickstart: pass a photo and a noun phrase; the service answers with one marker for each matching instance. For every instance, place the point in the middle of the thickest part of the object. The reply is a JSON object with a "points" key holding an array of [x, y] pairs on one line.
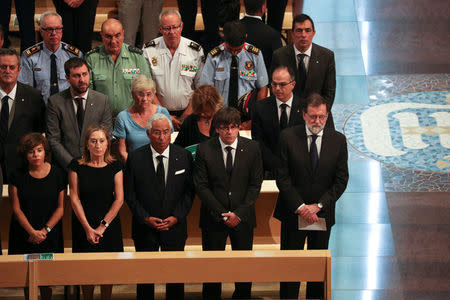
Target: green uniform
{"points": [[114, 79]]}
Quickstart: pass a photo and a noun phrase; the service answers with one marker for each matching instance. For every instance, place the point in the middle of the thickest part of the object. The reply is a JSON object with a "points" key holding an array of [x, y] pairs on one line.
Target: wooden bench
{"points": [[168, 267]]}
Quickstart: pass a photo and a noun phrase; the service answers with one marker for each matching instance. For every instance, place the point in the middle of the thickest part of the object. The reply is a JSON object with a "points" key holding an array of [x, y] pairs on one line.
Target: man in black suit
{"points": [[275, 113], [22, 111], [159, 192], [259, 34], [71, 112], [312, 176], [314, 65], [227, 176]]}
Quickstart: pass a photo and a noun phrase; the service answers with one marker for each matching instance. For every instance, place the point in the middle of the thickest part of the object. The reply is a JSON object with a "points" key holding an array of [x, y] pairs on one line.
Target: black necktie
{"points": [[283, 117], [80, 112], [160, 173], [313, 156], [53, 75], [4, 117], [233, 88], [301, 71], [229, 164]]}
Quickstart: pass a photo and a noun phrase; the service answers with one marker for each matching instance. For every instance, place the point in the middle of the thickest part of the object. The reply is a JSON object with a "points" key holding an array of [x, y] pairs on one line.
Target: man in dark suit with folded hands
{"points": [[312, 177], [275, 113], [227, 176], [159, 191]]}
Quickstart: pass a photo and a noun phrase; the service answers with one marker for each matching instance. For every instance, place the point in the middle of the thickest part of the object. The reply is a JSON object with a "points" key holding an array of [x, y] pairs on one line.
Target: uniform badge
{"points": [[154, 61], [37, 69], [249, 65], [220, 69]]}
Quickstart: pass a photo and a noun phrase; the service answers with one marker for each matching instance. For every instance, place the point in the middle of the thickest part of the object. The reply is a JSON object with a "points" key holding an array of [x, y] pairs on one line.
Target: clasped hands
{"points": [[161, 224], [309, 213], [37, 236], [231, 219], [93, 235]]}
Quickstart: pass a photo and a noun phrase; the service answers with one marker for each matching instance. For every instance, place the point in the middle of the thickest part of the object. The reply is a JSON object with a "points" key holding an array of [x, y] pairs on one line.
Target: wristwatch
{"points": [[104, 223], [47, 228], [320, 205]]}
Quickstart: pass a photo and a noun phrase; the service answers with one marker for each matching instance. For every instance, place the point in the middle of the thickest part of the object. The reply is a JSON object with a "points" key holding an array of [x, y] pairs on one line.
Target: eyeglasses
{"points": [[231, 127], [320, 117], [160, 133], [51, 29], [167, 29], [281, 84]]}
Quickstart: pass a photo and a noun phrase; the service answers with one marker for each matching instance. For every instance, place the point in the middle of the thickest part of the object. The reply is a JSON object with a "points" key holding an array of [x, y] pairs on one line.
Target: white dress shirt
{"points": [[225, 152], [165, 160]]}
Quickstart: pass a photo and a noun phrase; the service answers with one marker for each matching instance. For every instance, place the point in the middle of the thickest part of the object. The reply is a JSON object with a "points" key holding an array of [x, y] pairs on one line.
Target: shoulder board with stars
{"points": [[152, 43], [33, 50], [216, 51], [195, 46], [252, 49], [71, 49], [135, 49], [95, 50]]}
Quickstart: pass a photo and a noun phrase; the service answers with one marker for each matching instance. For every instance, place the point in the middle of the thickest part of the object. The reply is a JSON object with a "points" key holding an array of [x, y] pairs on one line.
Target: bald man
{"points": [[114, 65]]}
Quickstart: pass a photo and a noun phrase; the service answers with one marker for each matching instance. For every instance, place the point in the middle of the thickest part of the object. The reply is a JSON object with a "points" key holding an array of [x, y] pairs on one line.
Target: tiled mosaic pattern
{"points": [[406, 180]]}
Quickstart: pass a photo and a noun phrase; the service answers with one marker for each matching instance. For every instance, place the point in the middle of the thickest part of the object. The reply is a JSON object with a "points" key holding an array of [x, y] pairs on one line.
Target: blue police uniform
{"points": [[251, 68], [36, 64]]}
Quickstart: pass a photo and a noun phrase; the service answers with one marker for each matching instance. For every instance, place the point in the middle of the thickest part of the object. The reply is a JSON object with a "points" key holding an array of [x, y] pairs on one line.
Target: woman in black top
{"points": [[37, 197], [196, 128]]}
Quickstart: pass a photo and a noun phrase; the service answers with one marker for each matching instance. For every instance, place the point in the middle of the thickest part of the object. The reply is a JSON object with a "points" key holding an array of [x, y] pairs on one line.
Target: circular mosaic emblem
{"points": [[409, 131]]}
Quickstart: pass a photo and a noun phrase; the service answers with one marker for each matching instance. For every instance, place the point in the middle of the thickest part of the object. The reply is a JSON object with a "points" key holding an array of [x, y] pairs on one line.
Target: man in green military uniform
{"points": [[114, 65]]}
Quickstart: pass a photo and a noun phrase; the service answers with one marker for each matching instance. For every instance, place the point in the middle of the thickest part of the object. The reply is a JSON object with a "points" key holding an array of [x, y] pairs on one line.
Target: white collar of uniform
{"points": [[46, 50], [155, 154], [233, 145], [11, 95], [182, 46], [84, 96], [255, 17], [289, 102], [307, 52], [309, 133]]}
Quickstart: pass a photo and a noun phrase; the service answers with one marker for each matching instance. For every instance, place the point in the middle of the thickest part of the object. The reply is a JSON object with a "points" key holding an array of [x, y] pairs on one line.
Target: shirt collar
{"points": [[46, 50], [156, 154], [11, 95], [289, 102], [233, 145], [84, 96], [307, 52], [309, 133], [255, 17]]}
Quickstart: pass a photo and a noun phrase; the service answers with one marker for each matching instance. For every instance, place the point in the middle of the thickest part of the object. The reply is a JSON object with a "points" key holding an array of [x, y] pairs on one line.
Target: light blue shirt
{"points": [[135, 135], [36, 66], [252, 71]]}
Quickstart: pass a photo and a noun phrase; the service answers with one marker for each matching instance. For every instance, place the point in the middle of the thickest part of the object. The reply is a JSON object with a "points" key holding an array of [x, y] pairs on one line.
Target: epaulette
{"points": [[252, 49], [71, 49], [152, 43], [33, 50], [135, 49], [195, 46], [94, 50], [216, 51]]}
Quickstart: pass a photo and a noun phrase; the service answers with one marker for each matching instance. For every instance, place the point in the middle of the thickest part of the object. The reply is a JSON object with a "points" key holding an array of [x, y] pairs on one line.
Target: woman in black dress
{"points": [[37, 198], [96, 194], [197, 127]]}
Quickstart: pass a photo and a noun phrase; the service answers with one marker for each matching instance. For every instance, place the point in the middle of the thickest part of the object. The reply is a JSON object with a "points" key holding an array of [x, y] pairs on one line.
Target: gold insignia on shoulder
{"points": [[253, 49], [152, 43], [195, 46], [249, 65], [154, 61], [95, 50], [71, 49], [135, 49], [33, 50], [216, 51]]}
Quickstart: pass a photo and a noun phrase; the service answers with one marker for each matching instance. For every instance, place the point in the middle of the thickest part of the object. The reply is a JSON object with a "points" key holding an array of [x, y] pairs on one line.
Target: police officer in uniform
{"points": [[235, 67], [43, 63], [175, 63], [114, 65]]}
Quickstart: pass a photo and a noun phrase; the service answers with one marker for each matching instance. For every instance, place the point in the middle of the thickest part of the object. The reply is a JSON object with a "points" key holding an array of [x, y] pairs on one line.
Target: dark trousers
{"points": [[152, 242], [78, 23], [275, 13], [215, 239], [294, 239], [25, 14], [188, 11]]}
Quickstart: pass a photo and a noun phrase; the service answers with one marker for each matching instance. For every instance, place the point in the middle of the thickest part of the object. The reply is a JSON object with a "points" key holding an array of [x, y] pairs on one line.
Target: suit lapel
{"points": [[17, 106], [88, 113], [311, 68], [68, 103], [324, 149], [304, 148], [172, 166], [219, 156], [239, 161], [274, 114], [296, 112]]}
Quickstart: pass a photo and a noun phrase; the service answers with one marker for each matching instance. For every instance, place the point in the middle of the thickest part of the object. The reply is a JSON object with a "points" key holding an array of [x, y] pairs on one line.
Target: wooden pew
{"points": [[171, 267]]}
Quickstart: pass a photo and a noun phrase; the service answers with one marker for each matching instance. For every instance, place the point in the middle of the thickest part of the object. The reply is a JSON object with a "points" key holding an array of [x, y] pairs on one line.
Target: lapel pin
{"points": [[22, 100], [242, 150], [317, 61]]}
